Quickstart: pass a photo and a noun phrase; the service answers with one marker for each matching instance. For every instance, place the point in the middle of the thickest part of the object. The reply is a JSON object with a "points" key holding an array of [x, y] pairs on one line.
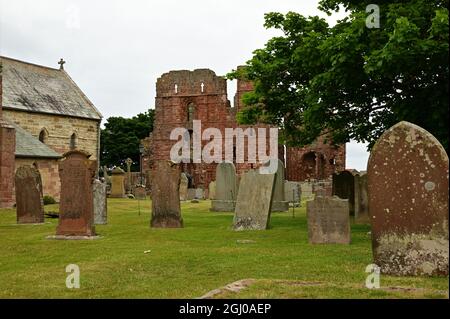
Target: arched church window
{"points": [[43, 136], [73, 141]]}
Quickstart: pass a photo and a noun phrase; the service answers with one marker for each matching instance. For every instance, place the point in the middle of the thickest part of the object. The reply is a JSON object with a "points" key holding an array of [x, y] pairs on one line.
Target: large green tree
{"points": [[349, 80], [121, 137]]}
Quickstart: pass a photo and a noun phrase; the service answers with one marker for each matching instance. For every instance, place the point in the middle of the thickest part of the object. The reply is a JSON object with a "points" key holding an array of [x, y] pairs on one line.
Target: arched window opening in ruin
{"points": [[176, 88], [308, 165], [43, 136], [73, 141], [191, 110]]}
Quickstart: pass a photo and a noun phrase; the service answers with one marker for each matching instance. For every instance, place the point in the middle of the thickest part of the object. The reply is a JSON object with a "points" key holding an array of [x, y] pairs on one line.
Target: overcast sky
{"points": [[116, 49]]}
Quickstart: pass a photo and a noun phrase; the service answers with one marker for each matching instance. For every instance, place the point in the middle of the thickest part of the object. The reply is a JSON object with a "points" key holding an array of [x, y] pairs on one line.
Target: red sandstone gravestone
{"points": [[408, 202], [76, 217], [166, 210], [29, 202]]}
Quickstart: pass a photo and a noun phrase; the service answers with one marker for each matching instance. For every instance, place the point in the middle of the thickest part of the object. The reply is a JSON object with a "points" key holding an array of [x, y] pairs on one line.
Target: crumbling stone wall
{"points": [[183, 96]]}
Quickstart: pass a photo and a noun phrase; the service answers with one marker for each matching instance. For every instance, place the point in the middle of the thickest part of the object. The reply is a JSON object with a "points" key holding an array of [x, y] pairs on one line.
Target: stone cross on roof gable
{"points": [[61, 64]]}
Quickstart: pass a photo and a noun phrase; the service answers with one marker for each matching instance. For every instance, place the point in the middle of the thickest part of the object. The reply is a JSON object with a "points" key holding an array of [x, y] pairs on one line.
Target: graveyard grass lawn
{"points": [[133, 261]]}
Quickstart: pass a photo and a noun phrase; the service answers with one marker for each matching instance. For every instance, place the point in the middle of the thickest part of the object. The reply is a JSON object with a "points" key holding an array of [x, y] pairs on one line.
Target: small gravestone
{"points": [[254, 202], [212, 190], [76, 207], [184, 182], [117, 183], [306, 189], [279, 204], [328, 220], [361, 199], [344, 187], [166, 211], [408, 202], [292, 193], [29, 202], [100, 203], [226, 188], [139, 192]]}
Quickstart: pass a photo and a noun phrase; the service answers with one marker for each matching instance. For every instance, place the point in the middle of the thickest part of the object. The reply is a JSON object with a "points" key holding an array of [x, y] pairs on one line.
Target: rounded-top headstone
{"points": [[408, 202]]}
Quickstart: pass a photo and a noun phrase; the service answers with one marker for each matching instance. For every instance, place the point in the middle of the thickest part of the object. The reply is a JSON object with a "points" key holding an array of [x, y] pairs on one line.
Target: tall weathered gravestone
{"points": [[279, 204], [29, 202], [328, 220], [361, 198], [166, 211], [226, 188], [76, 207], [117, 183], [344, 187], [184, 182], [408, 202], [100, 203], [254, 202]]}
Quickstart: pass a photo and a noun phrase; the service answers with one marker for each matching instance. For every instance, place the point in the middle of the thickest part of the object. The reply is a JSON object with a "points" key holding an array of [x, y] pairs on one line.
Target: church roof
{"points": [[35, 88], [29, 146]]}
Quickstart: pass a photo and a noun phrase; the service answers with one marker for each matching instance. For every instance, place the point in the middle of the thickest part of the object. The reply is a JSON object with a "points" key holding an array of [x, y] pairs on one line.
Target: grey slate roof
{"points": [[29, 146], [34, 88]]}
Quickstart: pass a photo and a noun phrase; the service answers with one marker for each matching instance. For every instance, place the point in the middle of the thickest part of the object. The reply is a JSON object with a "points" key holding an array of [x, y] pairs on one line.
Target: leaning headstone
{"points": [[292, 193], [212, 190], [184, 182], [139, 192], [361, 199], [117, 183], [166, 211], [279, 204], [76, 207], [226, 188], [253, 205], [100, 204], [29, 202], [344, 187], [408, 202], [328, 220]]}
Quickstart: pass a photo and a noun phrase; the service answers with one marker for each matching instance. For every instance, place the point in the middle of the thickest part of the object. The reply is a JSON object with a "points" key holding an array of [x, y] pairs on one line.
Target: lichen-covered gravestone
{"points": [[166, 211], [408, 202], [279, 204], [254, 202], [76, 207], [29, 202], [117, 183], [344, 187], [100, 202], [328, 220], [226, 188], [184, 182]]}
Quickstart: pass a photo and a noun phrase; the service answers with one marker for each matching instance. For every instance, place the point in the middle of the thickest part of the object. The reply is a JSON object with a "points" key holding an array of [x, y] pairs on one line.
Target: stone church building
{"points": [[49, 115], [184, 96]]}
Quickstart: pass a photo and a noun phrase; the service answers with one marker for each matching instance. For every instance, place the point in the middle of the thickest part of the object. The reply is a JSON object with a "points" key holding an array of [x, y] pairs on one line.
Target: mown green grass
{"points": [[189, 262]]}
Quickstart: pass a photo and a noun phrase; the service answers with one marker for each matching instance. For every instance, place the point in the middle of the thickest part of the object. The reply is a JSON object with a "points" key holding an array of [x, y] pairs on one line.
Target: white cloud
{"points": [[115, 50]]}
